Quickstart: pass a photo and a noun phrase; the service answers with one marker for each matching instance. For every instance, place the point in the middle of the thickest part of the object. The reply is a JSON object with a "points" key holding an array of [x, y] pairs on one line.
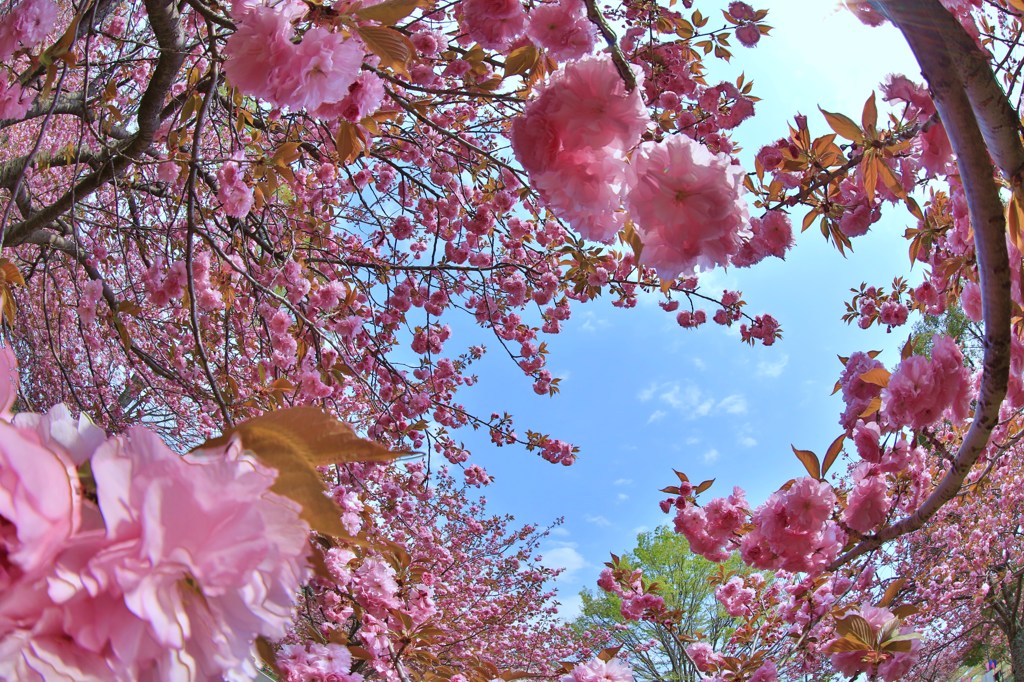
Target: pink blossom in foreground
{"points": [[734, 597], [14, 100], [748, 34], [572, 140], [261, 42], [867, 504], [687, 205], [921, 390], [28, 24], [321, 69], [703, 656], [793, 530], [170, 574], [39, 507], [766, 673], [314, 661], [600, 671], [857, 394], [590, 106], [562, 29], [193, 583], [970, 301], [363, 99], [495, 24], [262, 61]]}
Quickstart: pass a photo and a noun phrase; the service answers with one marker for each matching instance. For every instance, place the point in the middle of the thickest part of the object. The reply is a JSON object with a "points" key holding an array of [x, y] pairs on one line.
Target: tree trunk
{"points": [[1016, 641]]}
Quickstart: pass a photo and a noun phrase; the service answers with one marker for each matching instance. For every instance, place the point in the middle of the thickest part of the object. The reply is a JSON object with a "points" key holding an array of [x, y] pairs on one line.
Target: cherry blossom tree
{"points": [[211, 212]]}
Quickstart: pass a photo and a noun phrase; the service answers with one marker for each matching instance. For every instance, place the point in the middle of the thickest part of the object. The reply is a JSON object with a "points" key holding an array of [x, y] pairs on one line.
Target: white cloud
{"points": [[597, 520], [570, 606], [690, 400], [692, 440], [745, 437], [622, 497], [623, 481], [711, 456], [592, 323], [772, 370], [733, 404], [565, 557], [559, 531], [647, 393], [699, 364]]}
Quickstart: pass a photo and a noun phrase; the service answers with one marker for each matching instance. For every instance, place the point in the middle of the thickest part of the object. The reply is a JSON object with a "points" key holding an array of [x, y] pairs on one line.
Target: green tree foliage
{"points": [[953, 323], [685, 581]]}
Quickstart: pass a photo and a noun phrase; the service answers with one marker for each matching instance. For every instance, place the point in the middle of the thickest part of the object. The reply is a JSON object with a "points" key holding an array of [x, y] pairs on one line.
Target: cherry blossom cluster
{"points": [[104, 575], [23, 27], [464, 588]]}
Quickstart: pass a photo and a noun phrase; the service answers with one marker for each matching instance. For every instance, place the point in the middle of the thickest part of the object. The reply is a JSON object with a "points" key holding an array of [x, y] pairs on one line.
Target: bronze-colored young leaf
{"points": [[266, 652], [703, 486], [843, 125], [869, 117], [521, 60], [295, 441], [832, 453], [891, 591], [874, 406], [879, 376], [810, 462], [900, 643], [856, 628], [388, 12], [10, 274], [393, 48], [847, 644]]}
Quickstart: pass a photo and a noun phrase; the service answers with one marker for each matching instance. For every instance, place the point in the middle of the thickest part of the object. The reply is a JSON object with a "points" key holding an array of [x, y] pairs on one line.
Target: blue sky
{"points": [[641, 396]]}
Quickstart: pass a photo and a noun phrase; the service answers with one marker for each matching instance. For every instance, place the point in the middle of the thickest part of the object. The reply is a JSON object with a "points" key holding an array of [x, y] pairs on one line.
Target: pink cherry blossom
{"points": [[687, 206], [320, 70], [39, 505], [857, 394], [495, 24], [363, 99], [703, 656], [748, 34], [235, 195], [562, 29], [261, 43], [867, 504], [597, 670], [172, 597], [970, 301], [583, 187], [14, 100], [922, 389], [741, 11], [591, 108], [9, 381], [29, 23]]}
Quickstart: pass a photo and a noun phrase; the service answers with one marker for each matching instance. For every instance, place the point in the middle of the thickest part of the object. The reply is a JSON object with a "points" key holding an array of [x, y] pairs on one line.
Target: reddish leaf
{"points": [[810, 462], [833, 452]]}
